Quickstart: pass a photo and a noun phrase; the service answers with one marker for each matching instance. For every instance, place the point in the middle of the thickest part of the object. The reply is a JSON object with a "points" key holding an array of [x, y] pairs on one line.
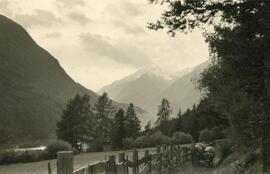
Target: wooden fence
{"points": [[164, 160]]}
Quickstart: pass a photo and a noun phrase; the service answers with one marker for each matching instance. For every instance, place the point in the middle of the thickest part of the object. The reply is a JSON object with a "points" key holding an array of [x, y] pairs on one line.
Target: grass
{"points": [[79, 161]]}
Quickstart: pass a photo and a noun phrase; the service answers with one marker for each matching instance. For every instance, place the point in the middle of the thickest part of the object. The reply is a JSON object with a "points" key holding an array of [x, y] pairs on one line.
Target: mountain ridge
{"points": [[179, 89]]}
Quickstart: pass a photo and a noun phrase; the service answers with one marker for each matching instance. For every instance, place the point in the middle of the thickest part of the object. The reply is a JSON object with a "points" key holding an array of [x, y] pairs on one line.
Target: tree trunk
{"points": [[266, 124], [266, 148]]}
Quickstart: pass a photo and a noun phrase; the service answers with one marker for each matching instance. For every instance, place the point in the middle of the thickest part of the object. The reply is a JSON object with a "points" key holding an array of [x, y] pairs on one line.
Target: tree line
{"points": [[95, 125], [81, 123], [194, 121]]}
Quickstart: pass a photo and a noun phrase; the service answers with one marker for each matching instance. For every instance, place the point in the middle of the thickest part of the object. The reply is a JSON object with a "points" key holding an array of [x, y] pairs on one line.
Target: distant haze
{"points": [[98, 42]]}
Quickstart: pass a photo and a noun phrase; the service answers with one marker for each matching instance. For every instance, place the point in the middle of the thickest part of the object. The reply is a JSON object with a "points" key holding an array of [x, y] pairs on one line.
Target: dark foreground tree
{"points": [[119, 131], [76, 122], [132, 122], [238, 81]]}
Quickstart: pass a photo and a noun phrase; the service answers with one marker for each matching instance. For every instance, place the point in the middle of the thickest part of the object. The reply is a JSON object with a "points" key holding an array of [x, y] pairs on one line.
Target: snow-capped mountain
{"points": [[141, 87], [146, 87]]}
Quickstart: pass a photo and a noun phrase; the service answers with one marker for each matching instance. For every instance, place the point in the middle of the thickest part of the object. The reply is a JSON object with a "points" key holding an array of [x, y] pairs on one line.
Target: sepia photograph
{"points": [[134, 87]]}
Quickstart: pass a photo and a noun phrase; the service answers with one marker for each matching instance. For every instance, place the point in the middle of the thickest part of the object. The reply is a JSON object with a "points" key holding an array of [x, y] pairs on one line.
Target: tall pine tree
{"points": [[104, 111], [163, 114], [119, 131], [132, 123], [76, 122]]}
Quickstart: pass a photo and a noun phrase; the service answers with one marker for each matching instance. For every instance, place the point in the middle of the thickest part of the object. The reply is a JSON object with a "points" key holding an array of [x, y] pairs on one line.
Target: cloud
{"points": [[4, 7], [129, 29], [122, 53], [70, 3], [40, 17], [123, 9], [79, 18], [53, 35]]}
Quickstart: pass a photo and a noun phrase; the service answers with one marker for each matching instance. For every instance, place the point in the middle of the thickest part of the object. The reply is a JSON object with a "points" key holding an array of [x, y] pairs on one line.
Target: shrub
{"points": [[128, 143], [151, 140], [182, 138], [11, 156], [96, 145], [206, 135], [54, 147], [218, 132]]}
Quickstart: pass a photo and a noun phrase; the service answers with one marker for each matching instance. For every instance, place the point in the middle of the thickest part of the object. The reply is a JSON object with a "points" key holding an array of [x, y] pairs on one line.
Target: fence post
{"points": [[178, 155], [49, 168], [148, 161], [163, 147], [122, 166], [111, 168], [169, 155], [135, 169], [160, 160], [121, 157], [91, 169], [64, 162]]}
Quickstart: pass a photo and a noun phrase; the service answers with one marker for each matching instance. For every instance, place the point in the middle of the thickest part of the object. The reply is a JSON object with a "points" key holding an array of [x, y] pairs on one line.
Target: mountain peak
{"points": [[155, 71]]}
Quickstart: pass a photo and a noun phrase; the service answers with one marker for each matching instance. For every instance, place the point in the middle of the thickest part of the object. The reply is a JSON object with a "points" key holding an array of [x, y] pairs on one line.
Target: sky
{"points": [[98, 42]]}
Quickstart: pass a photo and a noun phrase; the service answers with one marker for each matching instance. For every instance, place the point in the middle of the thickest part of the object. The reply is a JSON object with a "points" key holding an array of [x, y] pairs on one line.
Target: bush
{"points": [[54, 147], [128, 143], [218, 132], [97, 145], [11, 156], [182, 138], [206, 135], [147, 141]]}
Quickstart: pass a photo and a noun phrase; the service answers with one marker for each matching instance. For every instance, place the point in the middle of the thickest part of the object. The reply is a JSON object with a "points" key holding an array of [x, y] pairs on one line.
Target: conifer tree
{"points": [[119, 131], [163, 114], [104, 111], [148, 128], [76, 122], [132, 123], [179, 120]]}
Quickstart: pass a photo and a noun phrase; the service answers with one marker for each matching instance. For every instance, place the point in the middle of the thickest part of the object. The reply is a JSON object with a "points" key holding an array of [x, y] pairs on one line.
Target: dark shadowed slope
{"points": [[33, 87]]}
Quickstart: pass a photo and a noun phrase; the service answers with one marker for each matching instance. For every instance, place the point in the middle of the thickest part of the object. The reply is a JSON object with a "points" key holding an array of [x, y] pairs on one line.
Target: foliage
{"points": [[97, 145], [218, 132], [148, 128], [75, 124], [132, 123], [152, 140], [119, 131], [11, 156], [238, 81], [56, 146], [103, 112], [163, 114], [128, 143], [182, 138], [206, 135]]}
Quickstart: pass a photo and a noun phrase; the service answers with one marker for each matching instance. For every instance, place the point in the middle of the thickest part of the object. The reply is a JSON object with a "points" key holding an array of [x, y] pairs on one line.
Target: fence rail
{"points": [[163, 160]]}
